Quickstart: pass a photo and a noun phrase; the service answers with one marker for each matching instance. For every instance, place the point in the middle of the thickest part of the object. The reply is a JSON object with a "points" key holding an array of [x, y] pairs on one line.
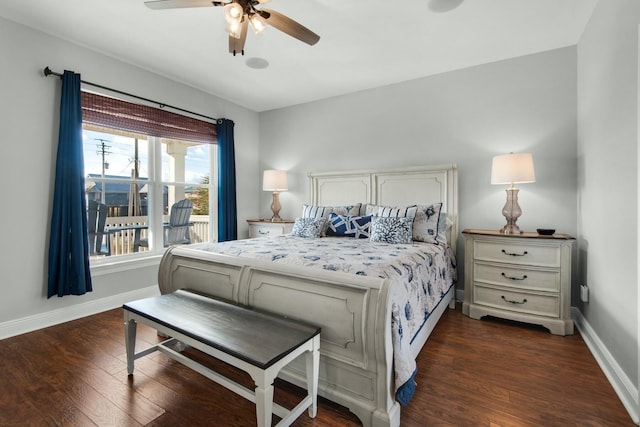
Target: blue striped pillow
{"points": [[311, 211]]}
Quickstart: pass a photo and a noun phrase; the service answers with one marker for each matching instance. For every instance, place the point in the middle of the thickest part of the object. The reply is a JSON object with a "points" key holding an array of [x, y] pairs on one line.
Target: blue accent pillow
{"points": [[391, 229], [349, 226]]}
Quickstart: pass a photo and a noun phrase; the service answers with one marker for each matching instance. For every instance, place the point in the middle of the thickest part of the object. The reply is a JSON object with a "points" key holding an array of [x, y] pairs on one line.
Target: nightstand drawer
{"points": [[514, 253], [266, 228], [261, 230], [522, 278], [522, 302]]}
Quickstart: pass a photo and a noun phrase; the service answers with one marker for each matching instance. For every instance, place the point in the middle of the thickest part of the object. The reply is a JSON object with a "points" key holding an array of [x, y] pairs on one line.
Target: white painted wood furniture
{"points": [[356, 361], [525, 277], [264, 227], [257, 343]]}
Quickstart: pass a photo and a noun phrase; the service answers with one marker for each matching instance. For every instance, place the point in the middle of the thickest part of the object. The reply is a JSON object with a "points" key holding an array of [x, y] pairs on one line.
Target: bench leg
{"points": [[130, 327], [313, 369], [264, 397]]}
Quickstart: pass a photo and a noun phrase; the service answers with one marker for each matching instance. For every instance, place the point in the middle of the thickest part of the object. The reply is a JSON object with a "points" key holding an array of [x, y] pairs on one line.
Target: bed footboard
{"points": [[356, 362]]}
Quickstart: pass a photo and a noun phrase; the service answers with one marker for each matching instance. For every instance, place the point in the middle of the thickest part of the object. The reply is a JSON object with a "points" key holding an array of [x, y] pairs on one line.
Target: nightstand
{"points": [[524, 277], [264, 227]]}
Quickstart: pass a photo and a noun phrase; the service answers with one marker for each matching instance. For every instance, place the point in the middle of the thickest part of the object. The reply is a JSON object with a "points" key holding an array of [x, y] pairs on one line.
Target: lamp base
{"points": [[510, 229], [275, 207], [511, 212]]}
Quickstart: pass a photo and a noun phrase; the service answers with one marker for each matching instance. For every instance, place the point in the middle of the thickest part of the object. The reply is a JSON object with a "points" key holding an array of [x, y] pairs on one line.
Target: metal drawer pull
{"points": [[514, 254], [264, 232], [514, 278], [513, 302]]}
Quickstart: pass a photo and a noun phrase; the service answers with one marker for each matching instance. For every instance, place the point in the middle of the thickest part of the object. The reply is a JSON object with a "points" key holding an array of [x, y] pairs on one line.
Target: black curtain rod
{"points": [[47, 72]]}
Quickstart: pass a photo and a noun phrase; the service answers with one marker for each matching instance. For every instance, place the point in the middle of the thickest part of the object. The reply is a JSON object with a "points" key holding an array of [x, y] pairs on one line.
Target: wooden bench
{"points": [[257, 343]]}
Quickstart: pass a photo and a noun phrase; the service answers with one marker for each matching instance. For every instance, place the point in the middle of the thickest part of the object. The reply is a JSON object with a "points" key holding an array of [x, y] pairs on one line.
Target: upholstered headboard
{"points": [[391, 187]]}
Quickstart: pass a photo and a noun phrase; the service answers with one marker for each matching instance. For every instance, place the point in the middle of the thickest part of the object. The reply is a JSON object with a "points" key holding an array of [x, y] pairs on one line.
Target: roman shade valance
{"points": [[126, 116]]}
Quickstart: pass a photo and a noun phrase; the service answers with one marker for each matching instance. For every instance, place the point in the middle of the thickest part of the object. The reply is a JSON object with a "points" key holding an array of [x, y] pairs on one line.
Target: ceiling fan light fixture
{"points": [[235, 29], [233, 13], [257, 23], [240, 14]]}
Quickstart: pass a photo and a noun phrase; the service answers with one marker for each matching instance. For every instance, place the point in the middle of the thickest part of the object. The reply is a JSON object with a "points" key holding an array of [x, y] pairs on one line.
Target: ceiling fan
{"points": [[239, 14]]}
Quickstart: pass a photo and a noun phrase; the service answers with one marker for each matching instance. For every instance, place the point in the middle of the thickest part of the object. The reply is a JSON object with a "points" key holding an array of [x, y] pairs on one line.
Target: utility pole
{"points": [[103, 150], [134, 192]]}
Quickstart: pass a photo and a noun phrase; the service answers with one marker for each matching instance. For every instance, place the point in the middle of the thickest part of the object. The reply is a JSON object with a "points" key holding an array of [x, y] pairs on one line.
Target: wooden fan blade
{"points": [[237, 45], [174, 4], [289, 26]]}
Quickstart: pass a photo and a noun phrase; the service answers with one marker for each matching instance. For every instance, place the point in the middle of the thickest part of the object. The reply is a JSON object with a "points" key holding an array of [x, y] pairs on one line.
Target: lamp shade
{"points": [[513, 168], [274, 180]]}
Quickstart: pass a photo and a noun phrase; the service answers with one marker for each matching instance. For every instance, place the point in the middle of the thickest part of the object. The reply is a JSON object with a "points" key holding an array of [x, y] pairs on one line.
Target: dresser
{"points": [[264, 227], [524, 277]]}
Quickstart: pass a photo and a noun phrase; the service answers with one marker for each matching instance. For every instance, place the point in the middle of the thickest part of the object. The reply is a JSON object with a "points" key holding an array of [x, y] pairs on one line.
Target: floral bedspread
{"points": [[421, 273]]}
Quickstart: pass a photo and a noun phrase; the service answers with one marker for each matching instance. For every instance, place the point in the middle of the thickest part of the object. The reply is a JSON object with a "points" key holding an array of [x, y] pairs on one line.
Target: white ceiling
{"points": [[363, 44]]}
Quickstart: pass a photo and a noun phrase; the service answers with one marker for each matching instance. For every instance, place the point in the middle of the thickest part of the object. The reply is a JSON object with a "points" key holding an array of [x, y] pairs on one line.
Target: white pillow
{"points": [[444, 225], [369, 209], [425, 224]]}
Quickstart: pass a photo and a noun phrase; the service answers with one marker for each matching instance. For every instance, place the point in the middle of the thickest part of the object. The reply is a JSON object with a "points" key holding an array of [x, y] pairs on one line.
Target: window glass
{"points": [[121, 183], [192, 157], [117, 153]]}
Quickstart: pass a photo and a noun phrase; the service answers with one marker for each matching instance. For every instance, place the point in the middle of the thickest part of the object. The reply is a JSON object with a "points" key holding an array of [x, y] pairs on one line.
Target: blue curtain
{"points": [[68, 242], [227, 208]]}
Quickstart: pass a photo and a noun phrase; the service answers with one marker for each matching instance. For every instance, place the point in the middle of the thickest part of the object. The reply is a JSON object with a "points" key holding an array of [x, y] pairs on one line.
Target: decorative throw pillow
{"points": [[398, 211], [308, 227], [347, 210], [349, 226], [369, 209], [425, 223], [391, 229]]}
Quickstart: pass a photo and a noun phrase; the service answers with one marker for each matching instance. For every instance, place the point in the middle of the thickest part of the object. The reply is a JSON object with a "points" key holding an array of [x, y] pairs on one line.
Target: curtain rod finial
{"points": [[47, 71]]}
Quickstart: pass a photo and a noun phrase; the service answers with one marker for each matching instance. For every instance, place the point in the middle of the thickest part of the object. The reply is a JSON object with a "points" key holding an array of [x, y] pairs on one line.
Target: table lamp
{"points": [[512, 168], [276, 181]]}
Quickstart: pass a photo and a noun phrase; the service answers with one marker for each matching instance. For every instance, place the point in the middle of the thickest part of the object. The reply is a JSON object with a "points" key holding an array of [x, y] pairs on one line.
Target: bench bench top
{"points": [[257, 338]]}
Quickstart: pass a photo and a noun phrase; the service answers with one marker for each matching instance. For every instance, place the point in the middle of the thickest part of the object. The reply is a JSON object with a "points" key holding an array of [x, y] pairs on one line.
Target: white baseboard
{"points": [[621, 383], [54, 317]]}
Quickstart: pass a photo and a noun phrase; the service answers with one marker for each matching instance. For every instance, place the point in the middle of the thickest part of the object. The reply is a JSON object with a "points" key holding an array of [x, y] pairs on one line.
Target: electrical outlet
{"points": [[584, 293]]}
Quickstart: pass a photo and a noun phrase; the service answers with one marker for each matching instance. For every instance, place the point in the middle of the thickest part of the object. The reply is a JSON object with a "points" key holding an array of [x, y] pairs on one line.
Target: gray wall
{"points": [[608, 177], [29, 129], [464, 117]]}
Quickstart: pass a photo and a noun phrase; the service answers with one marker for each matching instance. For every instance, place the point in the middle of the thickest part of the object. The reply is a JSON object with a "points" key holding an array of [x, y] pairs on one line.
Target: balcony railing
{"points": [[122, 241]]}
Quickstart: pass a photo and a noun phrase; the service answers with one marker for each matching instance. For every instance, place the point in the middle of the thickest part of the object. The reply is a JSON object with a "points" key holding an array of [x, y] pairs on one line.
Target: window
{"points": [[132, 180]]}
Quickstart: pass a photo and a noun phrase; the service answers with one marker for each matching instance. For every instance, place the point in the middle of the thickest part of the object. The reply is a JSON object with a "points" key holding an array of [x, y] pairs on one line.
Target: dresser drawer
{"points": [[521, 302], [516, 253], [521, 278]]}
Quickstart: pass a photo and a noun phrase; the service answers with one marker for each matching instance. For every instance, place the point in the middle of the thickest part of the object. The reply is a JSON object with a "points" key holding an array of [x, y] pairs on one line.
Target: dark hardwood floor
{"points": [[471, 373]]}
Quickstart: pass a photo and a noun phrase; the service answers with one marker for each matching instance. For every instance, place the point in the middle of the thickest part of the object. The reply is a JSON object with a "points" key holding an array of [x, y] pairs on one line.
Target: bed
{"points": [[357, 309]]}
